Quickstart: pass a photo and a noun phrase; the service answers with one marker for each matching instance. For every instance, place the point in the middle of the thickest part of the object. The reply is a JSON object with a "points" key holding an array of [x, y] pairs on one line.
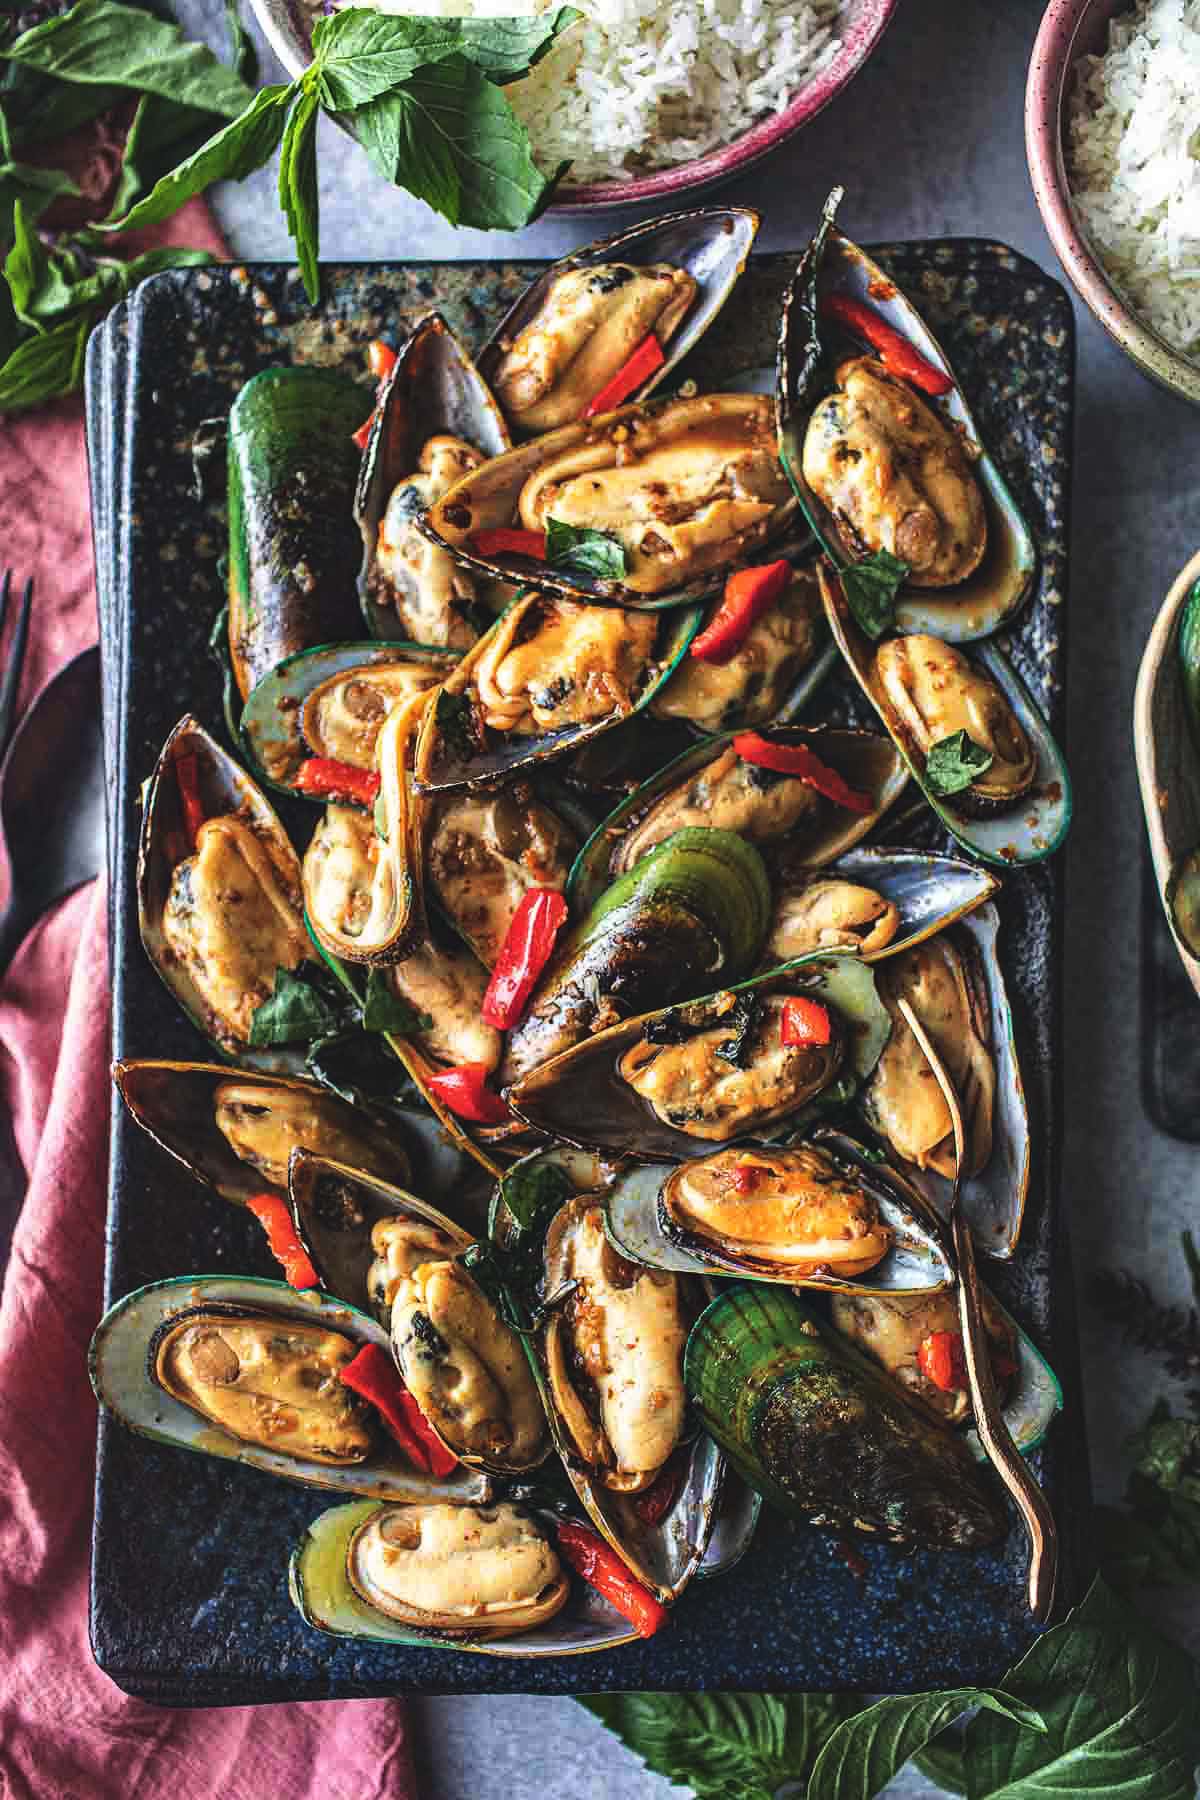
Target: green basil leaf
{"points": [[34, 189], [954, 762], [533, 1194], [385, 1010], [361, 55], [865, 1752], [243, 57], [234, 152], [162, 136], [455, 717], [943, 1764], [38, 108], [389, 131], [26, 266], [585, 551], [296, 1013], [101, 42], [724, 1746], [45, 365], [298, 185], [1120, 1708], [871, 586], [361, 1069]]}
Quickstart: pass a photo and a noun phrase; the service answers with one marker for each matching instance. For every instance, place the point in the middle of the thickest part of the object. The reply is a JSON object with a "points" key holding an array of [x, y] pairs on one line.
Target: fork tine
{"points": [[16, 661]]}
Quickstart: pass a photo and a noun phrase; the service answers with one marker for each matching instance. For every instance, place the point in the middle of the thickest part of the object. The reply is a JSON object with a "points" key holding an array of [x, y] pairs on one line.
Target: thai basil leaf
{"points": [[587, 552], [455, 718], [103, 43], [34, 189], [243, 57], [1157, 1540], [943, 1764], [236, 151], [532, 1195], [811, 350], [361, 55], [296, 1013], [491, 1272], [865, 1752], [385, 1010], [360, 1069], [743, 1019], [298, 185], [45, 365], [163, 135], [390, 131], [870, 586], [954, 762]]}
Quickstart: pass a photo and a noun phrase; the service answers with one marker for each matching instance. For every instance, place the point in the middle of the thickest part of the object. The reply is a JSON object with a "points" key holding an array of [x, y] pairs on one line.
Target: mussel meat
{"points": [[749, 687], [553, 663], [935, 692], [400, 1245], [727, 794], [485, 851], [828, 912], [433, 596], [342, 716], [263, 1122], [458, 1570], [896, 1328], [445, 987]]}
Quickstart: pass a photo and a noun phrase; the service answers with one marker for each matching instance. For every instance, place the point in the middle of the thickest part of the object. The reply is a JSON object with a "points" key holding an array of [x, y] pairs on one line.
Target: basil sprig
{"points": [[871, 586], [585, 552], [954, 762]]}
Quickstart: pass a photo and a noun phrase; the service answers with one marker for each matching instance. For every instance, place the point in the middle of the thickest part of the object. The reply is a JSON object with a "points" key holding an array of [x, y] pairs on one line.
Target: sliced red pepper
{"points": [[639, 367], [187, 780], [804, 1022], [523, 955], [654, 1503], [272, 1214], [374, 1376], [897, 355], [590, 1557], [941, 1360], [798, 760], [506, 540], [465, 1092], [746, 1177], [381, 360], [749, 593], [327, 779]]}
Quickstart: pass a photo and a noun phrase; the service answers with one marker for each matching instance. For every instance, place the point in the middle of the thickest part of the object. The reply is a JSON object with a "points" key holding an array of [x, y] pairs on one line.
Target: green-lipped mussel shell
{"points": [[867, 761], [580, 1096], [692, 913], [929, 892], [1035, 825], [174, 1103], [322, 1594], [1166, 736], [293, 545], [117, 1364], [711, 244], [986, 599], [434, 390], [164, 842], [994, 1199], [444, 760], [272, 721], [823, 1435], [643, 1229], [487, 499]]}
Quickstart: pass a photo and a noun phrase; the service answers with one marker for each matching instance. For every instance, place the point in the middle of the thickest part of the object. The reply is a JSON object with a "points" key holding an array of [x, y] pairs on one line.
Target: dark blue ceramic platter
{"points": [[189, 1597]]}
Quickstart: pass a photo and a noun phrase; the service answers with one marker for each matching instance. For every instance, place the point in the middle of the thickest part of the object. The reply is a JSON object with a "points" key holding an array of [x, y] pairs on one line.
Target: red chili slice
{"points": [[374, 1376], [798, 760], [629, 377], [506, 540], [187, 780], [381, 360], [524, 953], [749, 593], [283, 1241], [327, 779], [590, 1557], [898, 356], [804, 1022], [464, 1091]]}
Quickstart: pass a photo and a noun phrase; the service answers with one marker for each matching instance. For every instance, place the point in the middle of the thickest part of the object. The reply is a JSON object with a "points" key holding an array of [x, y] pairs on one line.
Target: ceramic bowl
{"points": [[1168, 760], [1071, 29], [286, 29]]}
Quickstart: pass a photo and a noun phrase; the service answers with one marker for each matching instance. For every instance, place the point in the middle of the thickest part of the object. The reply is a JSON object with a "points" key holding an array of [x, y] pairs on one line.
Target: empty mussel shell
{"points": [[877, 901], [707, 248], [998, 572], [526, 692], [122, 1375], [1009, 832], [235, 1130], [710, 786], [212, 858], [435, 416], [321, 1591]]}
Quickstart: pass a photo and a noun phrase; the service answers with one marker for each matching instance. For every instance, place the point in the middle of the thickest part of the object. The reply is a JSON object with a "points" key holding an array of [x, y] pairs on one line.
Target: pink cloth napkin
{"points": [[65, 1730]]}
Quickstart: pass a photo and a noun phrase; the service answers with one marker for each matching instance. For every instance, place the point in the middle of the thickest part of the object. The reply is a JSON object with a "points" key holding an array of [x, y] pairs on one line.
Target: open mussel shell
{"points": [[581, 1097], [1035, 825], [823, 1435], [296, 711], [711, 244], [738, 1513], [224, 788], [927, 891], [175, 1103], [1166, 736], [994, 1199], [976, 606], [864, 759], [293, 546], [335, 1207], [434, 390], [119, 1370], [321, 1592], [448, 757], [1037, 1395], [644, 1228]]}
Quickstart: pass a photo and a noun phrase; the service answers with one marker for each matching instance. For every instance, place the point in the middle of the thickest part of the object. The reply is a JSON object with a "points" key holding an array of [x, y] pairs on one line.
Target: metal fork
{"points": [[11, 680]]}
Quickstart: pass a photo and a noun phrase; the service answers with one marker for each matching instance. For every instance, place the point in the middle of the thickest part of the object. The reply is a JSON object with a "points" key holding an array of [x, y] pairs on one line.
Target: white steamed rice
{"points": [[645, 84], [1134, 157]]}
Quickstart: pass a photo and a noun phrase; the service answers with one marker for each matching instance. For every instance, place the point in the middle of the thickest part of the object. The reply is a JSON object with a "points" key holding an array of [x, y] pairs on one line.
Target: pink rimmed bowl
{"points": [[287, 29], [1069, 30]]}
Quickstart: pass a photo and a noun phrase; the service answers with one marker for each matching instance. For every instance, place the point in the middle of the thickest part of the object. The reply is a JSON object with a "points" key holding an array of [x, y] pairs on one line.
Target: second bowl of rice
{"points": [[651, 99]]}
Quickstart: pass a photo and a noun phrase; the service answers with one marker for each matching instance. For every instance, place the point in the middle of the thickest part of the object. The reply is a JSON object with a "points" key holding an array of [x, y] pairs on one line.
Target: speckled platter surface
{"points": [[189, 1600]]}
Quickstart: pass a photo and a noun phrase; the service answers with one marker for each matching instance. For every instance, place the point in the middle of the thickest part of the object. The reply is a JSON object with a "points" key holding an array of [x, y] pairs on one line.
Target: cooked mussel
{"points": [[293, 547], [679, 491], [218, 886], [712, 787], [822, 1434], [435, 421], [912, 1336], [934, 691], [875, 901], [484, 851], [576, 325], [691, 913], [877, 464], [330, 704]]}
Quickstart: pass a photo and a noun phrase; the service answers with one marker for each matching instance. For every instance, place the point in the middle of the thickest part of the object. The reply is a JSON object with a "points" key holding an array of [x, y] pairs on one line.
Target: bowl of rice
{"points": [[650, 99], [1112, 108]]}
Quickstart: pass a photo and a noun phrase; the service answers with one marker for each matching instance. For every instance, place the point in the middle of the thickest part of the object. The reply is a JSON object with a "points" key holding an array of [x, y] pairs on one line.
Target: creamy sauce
{"points": [[348, 878], [402, 1245], [447, 987], [485, 852], [892, 1328], [263, 1124]]}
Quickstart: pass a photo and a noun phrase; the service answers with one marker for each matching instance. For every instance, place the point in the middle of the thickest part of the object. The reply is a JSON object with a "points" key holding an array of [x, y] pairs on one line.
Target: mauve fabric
{"points": [[65, 1731]]}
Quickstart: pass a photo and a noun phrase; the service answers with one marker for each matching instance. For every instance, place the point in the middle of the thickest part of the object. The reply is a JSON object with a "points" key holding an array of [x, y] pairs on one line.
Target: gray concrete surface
{"points": [[927, 141]]}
